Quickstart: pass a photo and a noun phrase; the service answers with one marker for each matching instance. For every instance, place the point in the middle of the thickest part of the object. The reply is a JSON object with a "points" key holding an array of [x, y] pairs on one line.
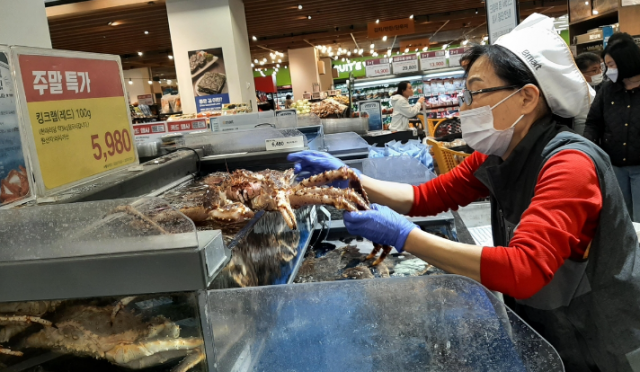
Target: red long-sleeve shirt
{"points": [[558, 225]]}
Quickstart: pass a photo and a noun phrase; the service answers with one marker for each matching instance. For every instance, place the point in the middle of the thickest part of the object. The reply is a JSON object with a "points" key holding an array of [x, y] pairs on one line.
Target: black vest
{"points": [[590, 311]]}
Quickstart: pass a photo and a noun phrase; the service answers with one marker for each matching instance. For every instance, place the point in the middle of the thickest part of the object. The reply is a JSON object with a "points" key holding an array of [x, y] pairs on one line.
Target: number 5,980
{"points": [[116, 142]]}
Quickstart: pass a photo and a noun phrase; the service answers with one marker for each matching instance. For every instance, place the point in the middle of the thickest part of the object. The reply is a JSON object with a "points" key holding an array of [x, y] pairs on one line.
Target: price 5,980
{"points": [[116, 142]]}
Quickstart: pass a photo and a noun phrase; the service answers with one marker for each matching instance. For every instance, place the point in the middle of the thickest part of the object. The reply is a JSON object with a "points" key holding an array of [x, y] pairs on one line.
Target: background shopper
{"points": [[402, 110], [288, 102], [591, 66], [614, 118]]}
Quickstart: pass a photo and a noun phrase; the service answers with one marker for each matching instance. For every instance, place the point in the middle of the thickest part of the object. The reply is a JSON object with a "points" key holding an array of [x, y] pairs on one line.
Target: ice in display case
{"points": [[437, 323], [105, 286]]}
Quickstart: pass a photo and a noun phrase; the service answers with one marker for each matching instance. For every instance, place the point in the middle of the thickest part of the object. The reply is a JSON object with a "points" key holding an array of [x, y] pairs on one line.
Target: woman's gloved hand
{"points": [[309, 163], [381, 225]]}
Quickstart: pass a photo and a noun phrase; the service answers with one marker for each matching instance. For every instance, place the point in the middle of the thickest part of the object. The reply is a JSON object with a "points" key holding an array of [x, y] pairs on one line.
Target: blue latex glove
{"points": [[309, 163], [381, 225]]}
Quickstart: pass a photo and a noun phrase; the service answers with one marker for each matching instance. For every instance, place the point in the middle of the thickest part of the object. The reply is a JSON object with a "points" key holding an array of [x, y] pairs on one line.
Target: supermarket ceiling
{"points": [[130, 27]]}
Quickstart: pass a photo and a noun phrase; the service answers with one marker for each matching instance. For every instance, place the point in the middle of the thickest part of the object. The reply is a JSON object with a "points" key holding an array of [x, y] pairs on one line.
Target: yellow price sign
{"points": [[78, 115]]}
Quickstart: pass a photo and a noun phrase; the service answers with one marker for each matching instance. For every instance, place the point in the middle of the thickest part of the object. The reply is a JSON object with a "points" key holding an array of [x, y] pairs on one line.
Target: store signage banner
{"points": [[14, 177], [502, 17], [373, 111], [75, 110], [455, 55], [145, 99], [414, 44], [378, 67], [433, 60], [404, 26], [406, 63], [209, 79]]}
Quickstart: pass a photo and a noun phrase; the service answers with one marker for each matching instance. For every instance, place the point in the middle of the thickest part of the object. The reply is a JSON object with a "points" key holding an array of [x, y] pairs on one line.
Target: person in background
{"points": [[402, 110], [591, 66], [614, 119], [288, 102]]}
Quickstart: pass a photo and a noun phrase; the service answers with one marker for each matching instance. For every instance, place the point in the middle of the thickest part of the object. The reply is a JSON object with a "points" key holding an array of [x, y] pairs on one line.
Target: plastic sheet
{"points": [[412, 148], [437, 323], [403, 168]]}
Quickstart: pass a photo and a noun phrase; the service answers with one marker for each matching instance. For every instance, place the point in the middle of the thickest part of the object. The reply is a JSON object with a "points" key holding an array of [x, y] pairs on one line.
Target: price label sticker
{"points": [[405, 63], [78, 117], [433, 60], [285, 143]]}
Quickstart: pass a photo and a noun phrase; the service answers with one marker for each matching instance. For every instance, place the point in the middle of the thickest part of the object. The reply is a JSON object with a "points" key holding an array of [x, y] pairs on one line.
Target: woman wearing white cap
{"points": [[565, 251]]}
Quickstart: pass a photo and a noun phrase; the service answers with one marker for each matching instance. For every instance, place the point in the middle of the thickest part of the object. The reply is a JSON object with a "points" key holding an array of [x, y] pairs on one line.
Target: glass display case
{"points": [[435, 323], [105, 286]]}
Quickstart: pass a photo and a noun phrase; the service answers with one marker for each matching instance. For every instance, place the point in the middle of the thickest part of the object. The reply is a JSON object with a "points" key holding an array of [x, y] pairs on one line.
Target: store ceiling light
{"points": [[476, 11], [445, 46], [384, 38], [342, 59], [168, 81], [372, 46], [300, 6], [150, 82], [252, 65], [406, 50], [278, 65], [255, 60], [139, 53], [170, 56], [261, 63], [425, 49], [377, 21], [416, 50], [308, 17], [586, 3], [279, 60], [329, 49], [360, 51], [146, 32], [349, 53], [411, 16], [595, 12], [286, 66], [113, 23], [335, 58], [254, 38], [130, 81], [465, 42]]}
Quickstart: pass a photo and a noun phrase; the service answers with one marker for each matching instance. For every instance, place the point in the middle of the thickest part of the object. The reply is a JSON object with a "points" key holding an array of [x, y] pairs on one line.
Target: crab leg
{"points": [[282, 203], [348, 194], [376, 249], [344, 173], [189, 362], [10, 352], [299, 200], [155, 359], [385, 252], [125, 353], [119, 306], [234, 212], [9, 331], [24, 319]]}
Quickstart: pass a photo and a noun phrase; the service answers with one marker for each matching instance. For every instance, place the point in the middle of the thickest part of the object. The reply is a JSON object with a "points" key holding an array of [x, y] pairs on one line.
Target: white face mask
{"points": [[479, 133], [596, 79], [612, 74]]}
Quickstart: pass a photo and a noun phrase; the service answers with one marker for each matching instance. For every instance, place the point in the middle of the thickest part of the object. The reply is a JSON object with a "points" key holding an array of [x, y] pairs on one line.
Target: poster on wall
{"points": [[209, 79], [502, 17], [14, 179]]}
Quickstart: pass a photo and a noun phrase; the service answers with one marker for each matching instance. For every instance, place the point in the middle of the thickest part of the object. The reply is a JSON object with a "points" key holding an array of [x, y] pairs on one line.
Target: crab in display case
{"points": [[229, 198]]}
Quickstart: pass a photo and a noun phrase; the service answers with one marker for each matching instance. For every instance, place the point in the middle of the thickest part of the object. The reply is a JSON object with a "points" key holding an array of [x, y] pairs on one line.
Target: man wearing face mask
{"points": [[590, 65], [565, 251]]}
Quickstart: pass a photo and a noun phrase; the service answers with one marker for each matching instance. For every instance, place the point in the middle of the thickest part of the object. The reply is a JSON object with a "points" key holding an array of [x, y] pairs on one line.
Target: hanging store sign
{"points": [[406, 63], [145, 99], [15, 178], [433, 60], [75, 115], [414, 44], [371, 110], [502, 17], [404, 26], [455, 55], [378, 67]]}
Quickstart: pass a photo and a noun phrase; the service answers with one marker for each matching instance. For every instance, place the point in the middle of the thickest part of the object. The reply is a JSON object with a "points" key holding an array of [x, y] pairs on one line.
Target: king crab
{"points": [[234, 197], [16, 317]]}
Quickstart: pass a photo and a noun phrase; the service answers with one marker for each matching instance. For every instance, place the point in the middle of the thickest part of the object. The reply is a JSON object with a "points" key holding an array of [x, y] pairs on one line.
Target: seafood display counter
{"points": [[437, 323], [104, 286]]}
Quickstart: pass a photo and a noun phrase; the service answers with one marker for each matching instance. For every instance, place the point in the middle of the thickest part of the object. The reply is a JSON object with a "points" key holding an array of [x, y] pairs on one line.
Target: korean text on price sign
{"points": [[377, 67], [406, 63], [455, 55], [78, 116], [433, 60]]}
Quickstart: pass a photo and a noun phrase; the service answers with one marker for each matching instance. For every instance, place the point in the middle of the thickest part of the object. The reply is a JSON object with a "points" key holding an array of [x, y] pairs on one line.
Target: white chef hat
{"points": [[536, 42]]}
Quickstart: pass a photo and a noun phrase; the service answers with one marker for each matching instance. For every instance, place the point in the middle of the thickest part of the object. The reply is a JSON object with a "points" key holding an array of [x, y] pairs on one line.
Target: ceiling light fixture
{"points": [[335, 58], [308, 17], [411, 16], [170, 56], [139, 53], [168, 81], [255, 60], [586, 3], [278, 65], [465, 42], [372, 46], [150, 82], [595, 12], [342, 60], [360, 51], [252, 65], [279, 60], [254, 38], [349, 53], [146, 32], [425, 49], [445, 46], [130, 81], [377, 21], [286, 66], [416, 50], [300, 6], [406, 50], [384, 38]]}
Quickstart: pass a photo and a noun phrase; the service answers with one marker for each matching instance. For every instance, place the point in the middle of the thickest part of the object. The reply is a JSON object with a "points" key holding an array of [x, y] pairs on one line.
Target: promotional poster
{"points": [[209, 79]]}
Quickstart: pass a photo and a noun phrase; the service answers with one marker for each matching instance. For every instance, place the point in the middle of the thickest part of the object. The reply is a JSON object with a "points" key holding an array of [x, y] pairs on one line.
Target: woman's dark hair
{"points": [[402, 86], [288, 96], [586, 60], [626, 53], [507, 65]]}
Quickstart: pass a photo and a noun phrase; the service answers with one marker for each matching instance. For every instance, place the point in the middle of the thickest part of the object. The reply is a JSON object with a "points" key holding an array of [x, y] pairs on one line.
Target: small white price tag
{"points": [[285, 143]]}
